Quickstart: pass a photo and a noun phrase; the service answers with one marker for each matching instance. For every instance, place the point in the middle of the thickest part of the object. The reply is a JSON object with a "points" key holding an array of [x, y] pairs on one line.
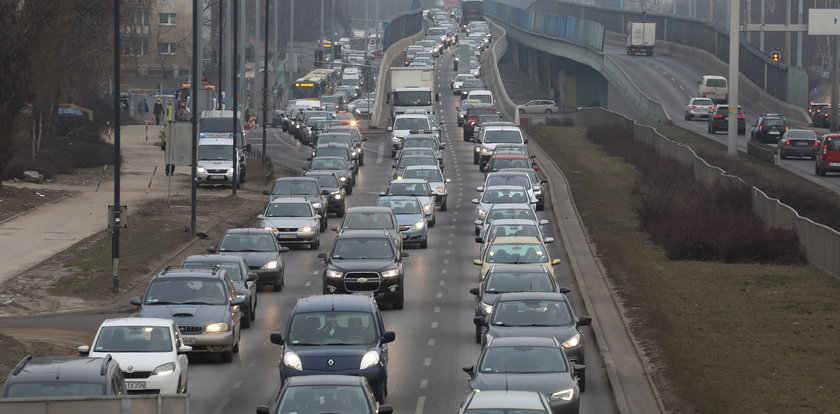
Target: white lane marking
{"points": [[424, 383], [434, 325], [446, 261], [308, 284], [442, 283], [444, 271], [439, 295], [456, 213], [221, 406], [237, 384], [457, 206], [427, 362], [449, 242], [448, 251], [315, 272], [381, 151], [421, 401], [432, 342]]}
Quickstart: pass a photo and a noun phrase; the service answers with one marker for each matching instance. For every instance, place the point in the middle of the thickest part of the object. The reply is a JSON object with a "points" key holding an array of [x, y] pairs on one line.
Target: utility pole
{"points": [[799, 38], [835, 94], [115, 209], [787, 32], [321, 39], [290, 58], [264, 85], [235, 128], [734, 48], [196, 31], [761, 34], [220, 54]]}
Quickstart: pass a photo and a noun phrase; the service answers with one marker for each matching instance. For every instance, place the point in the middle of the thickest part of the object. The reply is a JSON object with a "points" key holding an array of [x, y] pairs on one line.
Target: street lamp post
{"points": [[265, 84], [115, 225], [196, 29], [234, 54], [220, 54]]}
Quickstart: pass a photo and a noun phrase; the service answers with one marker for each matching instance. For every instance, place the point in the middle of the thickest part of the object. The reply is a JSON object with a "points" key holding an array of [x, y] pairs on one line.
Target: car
{"points": [[45, 377], [714, 87], [500, 162], [536, 363], [470, 85], [403, 125], [336, 199], [419, 188], [308, 187], [293, 221], [458, 81], [371, 218], [768, 128], [409, 214], [423, 140], [419, 151], [414, 160], [509, 177], [820, 115], [538, 183], [333, 137], [358, 139], [314, 133], [261, 251], [204, 304], [305, 121], [471, 116], [698, 108], [309, 132], [492, 136], [828, 155], [149, 350], [337, 150], [541, 314], [336, 334], [363, 108], [495, 225], [483, 95], [337, 165], [799, 143], [515, 250], [434, 176], [498, 194], [346, 118], [510, 278], [244, 281], [325, 394], [461, 109], [505, 401], [719, 120], [480, 121], [539, 106]]}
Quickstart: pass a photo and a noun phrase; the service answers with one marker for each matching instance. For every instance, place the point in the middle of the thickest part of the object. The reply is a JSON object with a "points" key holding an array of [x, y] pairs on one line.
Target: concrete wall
{"points": [[381, 112], [135, 404]]}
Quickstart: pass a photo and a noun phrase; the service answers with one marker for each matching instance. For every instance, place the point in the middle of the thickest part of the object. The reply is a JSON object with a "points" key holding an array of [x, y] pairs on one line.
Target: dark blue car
{"points": [[336, 334]]}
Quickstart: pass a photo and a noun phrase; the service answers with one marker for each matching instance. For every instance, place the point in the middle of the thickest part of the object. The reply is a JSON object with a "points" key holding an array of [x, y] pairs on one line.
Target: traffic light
{"points": [[775, 55], [319, 58]]}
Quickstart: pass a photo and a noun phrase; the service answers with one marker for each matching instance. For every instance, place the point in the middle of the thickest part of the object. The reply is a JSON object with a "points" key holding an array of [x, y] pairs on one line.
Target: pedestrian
{"points": [[158, 111], [145, 112]]}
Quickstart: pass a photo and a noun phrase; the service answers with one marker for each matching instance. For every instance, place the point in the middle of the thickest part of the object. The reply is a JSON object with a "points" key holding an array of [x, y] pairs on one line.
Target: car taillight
{"points": [[691, 107], [787, 143], [816, 143], [761, 127], [718, 115], [741, 116], [787, 127], [712, 108]]}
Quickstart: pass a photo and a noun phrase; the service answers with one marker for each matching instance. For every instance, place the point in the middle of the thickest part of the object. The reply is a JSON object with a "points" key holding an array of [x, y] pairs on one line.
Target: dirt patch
{"points": [[717, 335]]}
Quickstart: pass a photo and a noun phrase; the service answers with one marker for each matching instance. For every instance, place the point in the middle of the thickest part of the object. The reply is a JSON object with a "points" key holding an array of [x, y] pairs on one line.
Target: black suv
{"points": [[64, 377], [365, 262], [331, 182], [204, 304], [769, 128], [336, 334], [719, 120]]}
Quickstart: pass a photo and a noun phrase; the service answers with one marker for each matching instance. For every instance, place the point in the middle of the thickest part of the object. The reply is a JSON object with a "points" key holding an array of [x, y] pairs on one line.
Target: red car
{"points": [[828, 156], [471, 116]]}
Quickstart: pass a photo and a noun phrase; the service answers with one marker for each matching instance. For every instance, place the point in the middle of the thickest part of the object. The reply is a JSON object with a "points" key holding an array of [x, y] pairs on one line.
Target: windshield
{"points": [[332, 152], [501, 163], [517, 253], [406, 161], [801, 134], [503, 411], [326, 180], [532, 312], [218, 124], [295, 188], [215, 152], [233, 269], [716, 83], [464, 76], [413, 98], [501, 282], [359, 249], [349, 82], [247, 242], [314, 120], [475, 112], [472, 83], [339, 399], [339, 138], [504, 196], [412, 189], [502, 136], [513, 230], [437, 31], [328, 164], [522, 360], [483, 98], [428, 174], [488, 118], [367, 221], [186, 291], [702, 102], [775, 122], [401, 206], [417, 151], [288, 210], [53, 389], [133, 339], [509, 180], [332, 328], [420, 143], [321, 125], [411, 123]]}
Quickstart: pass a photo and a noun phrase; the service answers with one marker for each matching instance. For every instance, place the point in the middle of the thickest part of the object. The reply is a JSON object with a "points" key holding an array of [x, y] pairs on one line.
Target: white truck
{"points": [[641, 38], [412, 88]]}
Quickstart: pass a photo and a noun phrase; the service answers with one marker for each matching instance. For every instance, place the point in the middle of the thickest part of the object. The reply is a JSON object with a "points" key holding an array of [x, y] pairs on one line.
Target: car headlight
{"points": [[563, 395], [477, 149], [427, 207], [216, 327], [291, 360], [316, 205], [270, 265], [333, 273], [395, 139], [370, 359], [270, 228], [305, 229], [419, 225], [572, 342], [342, 179], [486, 308], [439, 189], [481, 213], [391, 273], [485, 150], [201, 170], [164, 369], [337, 196]]}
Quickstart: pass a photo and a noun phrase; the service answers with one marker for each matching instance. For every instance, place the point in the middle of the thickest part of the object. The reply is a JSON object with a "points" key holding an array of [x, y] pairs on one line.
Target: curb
{"points": [[629, 393]]}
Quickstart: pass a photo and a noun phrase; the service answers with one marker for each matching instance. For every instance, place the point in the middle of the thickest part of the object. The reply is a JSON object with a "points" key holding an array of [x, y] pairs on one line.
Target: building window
{"points": [[141, 18], [167, 19], [137, 47], [166, 48]]}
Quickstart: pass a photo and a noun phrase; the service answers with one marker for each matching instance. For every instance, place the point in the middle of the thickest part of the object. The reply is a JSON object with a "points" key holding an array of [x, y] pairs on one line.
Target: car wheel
{"points": [[821, 172], [816, 169], [246, 317], [443, 206], [254, 309], [782, 156], [242, 176], [424, 244], [541, 206], [521, 110], [582, 381], [687, 117], [478, 334], [477, 231], [361, 161], [475, 158], [314, 246], [399, 303], [278, 287], [227, 356], [322, 226], [548, 111], [339, 213], [349, 189], [434, 220]]}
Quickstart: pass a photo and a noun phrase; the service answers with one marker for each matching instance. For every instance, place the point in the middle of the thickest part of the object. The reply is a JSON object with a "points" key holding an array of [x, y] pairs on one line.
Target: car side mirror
{"points": [[537, 188], [469, 369], [479, 321], [325, 192], [183, 349], [385, 409], [83, 350], [389, 129], [477, 262], [364, 139], [135, 300], [579, 369], [381, 193], [388, 336], [474, 291], [404, 255], [479, 189], [526, 140], [404, 228], [261, 216], [253, 276], [263, 409], [474, 201], [265, 192], [309, 158], [442, 146], [479, 239], [238, 300], [322, 255], [584, 321], [276, 338], [565, 290], [211, 250], [284, 249], [555, 262], [478, 222], [543, 222]]}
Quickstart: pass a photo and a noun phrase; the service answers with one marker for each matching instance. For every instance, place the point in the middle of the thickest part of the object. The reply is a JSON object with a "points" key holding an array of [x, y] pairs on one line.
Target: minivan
{"points": [[713, 87], [828, 155]]}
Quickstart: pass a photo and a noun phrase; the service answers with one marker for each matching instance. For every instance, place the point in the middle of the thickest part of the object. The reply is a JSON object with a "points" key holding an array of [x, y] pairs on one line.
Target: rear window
{"points": [[702, 102], [715, 83], [802, 134], [775, 122], [833, 143], [480, 111]]}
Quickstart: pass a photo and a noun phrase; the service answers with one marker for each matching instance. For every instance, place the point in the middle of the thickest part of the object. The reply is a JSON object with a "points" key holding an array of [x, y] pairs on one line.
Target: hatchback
{"points": [[719, 120], [828, 155], [698, 108]]}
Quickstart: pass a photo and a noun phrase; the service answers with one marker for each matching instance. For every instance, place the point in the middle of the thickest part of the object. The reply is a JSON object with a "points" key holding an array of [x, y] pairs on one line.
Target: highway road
{"points": [[670, 81], [434, 331]]}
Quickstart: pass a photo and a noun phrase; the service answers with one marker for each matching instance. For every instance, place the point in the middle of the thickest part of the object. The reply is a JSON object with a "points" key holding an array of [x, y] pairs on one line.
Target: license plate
{"points": [[774, 132], [370, 294], [803, 143], [135, 385], [188, 339], [834, 164], [216, 177], [286, 236]]}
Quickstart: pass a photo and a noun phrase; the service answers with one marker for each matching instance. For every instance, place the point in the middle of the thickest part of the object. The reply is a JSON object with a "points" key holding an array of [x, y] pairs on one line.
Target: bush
{"points": [[691, 221], [563, 122], [60, 155]]}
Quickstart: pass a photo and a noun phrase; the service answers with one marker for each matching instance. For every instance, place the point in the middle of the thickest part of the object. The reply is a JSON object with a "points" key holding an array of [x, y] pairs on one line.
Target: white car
{"points": [[150, 352], [458, 81], [539, 106]]}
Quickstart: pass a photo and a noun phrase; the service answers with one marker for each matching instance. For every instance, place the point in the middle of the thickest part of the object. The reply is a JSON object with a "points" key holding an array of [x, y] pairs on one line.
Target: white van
{"points": [[713, 87], [482, 95]]}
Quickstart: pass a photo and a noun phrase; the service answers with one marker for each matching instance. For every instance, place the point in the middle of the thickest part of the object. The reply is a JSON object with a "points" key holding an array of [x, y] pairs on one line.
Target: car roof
{"points": [[137, 321], [410, 181], [318, 303], [522, 268], [246, 230], [560, 297], [422, 167], [191, 272], [311, 380], [412, 116], [396, 197], [517, 206], [334, 145], [298, 178], [507, 172], [517, 239], [288, 199], [59, 369], [504, 400], [509, 156], [367, 209], [491, 127], [523, 341], [503, 187], [213, 258]]}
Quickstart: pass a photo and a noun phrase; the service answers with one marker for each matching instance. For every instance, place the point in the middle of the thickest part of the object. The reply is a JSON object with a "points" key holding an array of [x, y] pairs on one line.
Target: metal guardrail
{"points": [[134, 404], [578, 30], [265, 161], [821, 243]]}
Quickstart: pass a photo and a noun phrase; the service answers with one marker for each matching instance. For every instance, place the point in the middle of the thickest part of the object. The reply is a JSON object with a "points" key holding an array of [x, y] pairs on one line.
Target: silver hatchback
{"points": [[698, 108]]}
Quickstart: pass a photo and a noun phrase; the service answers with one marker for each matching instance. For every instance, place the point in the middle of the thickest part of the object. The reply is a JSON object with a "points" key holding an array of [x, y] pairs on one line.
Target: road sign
{"points": [[824, 21]]}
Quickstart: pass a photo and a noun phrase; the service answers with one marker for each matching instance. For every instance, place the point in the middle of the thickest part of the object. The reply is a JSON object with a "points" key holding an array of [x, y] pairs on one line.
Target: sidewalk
{"points": [[38, 234]]}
